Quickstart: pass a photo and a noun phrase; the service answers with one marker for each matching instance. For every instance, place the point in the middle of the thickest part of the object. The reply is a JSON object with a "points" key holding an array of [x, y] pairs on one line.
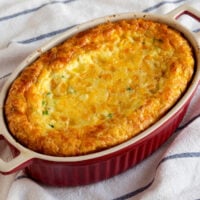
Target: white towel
{"points": [[172, 172]]}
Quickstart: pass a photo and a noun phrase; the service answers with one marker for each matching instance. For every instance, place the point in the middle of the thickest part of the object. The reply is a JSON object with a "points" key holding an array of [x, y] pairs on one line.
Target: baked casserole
{"points": [[99, 88]]}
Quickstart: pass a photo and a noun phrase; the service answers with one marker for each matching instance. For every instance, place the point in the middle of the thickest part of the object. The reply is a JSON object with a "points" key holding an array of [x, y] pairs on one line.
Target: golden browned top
{"points": [[99, 88]]}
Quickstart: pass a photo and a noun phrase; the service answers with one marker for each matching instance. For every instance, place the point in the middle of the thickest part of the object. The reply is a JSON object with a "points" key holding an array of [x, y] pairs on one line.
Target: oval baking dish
{"points": [[90, 168]]}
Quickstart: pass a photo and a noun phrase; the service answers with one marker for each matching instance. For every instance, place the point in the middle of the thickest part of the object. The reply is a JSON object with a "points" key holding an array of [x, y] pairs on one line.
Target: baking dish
{"points": [[81, 170]]}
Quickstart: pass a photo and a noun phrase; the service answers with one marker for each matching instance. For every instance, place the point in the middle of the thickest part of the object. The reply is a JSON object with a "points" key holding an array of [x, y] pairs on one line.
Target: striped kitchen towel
{"points": [[172, 172]]}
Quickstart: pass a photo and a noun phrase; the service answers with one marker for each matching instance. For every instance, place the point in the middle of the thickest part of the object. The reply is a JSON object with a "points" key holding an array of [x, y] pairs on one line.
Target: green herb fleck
{"points": [[43, 102], [45, 112], [51, 125], [129, 89], [110, 115]]}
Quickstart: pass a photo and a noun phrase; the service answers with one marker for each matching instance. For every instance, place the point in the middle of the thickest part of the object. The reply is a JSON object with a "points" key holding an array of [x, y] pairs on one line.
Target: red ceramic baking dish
{"points": [[86, 169]]}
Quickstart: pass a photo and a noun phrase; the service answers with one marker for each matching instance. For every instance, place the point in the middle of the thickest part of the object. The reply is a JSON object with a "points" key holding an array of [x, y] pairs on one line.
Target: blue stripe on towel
{"points": [[161, 4], [134, 193], [196, 30], [187, 123], [25, 12], [171, 157], [180, 155], [5, 76], [46, 35]]}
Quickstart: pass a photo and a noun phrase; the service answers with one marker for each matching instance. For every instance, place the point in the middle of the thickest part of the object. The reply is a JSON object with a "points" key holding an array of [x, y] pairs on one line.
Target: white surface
{"points": [[172, 172]]}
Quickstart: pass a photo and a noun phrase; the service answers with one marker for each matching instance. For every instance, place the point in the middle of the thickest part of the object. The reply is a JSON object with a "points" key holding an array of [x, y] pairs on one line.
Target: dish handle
{"points": [[17, 163], [186, 10]]}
